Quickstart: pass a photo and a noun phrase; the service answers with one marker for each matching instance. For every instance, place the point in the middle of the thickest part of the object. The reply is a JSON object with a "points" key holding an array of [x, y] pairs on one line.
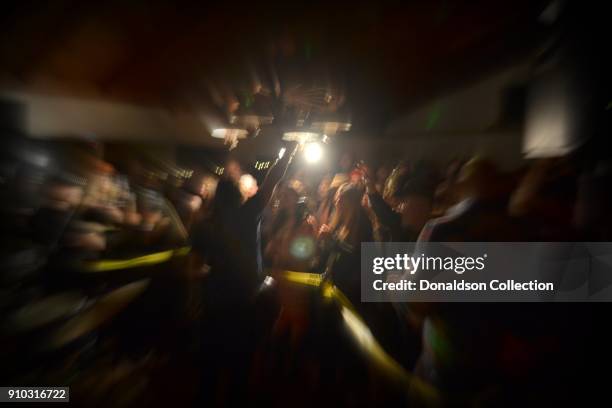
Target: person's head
{"points": [[233, 170], [405, 183], [349, 213], [248, 186], [227, 198], [414, 201], [347, 201], [208, 188]]}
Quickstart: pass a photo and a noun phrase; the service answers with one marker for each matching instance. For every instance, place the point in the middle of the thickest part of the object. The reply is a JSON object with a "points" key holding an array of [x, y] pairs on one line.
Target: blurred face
{"points": [[356, 176], [202, 190], [195, 202], [209, 185], [248, 186]]}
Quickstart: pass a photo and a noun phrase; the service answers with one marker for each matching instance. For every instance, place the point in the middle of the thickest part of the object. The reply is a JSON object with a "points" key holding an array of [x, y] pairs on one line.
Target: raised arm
{"points": [[276, 173], [274, 176]]}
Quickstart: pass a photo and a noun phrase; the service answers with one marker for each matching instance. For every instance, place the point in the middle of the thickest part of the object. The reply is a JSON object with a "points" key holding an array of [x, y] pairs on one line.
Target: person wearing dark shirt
{"points": [[229, 240], [229, 243]]}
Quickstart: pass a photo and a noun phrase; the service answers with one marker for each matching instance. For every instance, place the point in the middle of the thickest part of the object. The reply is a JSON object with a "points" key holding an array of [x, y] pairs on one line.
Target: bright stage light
{"points": [[313, 152], [281, 152]]}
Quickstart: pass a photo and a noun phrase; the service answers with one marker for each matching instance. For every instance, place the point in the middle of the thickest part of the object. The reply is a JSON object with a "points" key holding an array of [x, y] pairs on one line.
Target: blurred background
{"points": [[130, 276]]}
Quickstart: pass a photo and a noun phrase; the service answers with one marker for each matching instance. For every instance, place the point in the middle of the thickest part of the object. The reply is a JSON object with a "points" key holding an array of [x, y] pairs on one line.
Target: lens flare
{"points": [[302, 248]]}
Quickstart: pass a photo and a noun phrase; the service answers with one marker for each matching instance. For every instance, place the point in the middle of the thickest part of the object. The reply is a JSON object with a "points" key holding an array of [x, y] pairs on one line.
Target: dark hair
{"points": [[227, 198], [351, 217]]}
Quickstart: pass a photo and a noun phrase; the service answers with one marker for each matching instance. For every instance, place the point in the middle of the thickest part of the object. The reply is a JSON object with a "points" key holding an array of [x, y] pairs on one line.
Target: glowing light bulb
{"points": [[313, 152]]}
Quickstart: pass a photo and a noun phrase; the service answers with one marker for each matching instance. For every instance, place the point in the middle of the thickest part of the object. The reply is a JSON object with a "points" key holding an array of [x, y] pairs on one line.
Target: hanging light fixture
{"points": [[301, 136], [220, 127], [300, 132], [230, 135], [331, 123], [253, 113], [331, 128]]}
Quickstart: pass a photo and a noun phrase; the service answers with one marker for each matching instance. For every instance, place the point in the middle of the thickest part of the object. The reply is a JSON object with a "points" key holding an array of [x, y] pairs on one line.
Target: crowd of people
{"points": [[243, 237], [319, 228]]}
